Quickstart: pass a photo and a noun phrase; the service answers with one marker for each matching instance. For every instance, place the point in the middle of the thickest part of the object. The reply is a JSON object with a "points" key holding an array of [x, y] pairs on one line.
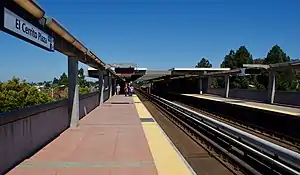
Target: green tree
{"points": [[91, 83], [63, 80], [284, 79], [259, 61], [236, 60], [16, 94], [203, 63], [48, 84], [81, 78], [55, 81], [83, 91], [229, 60], [242, 56], [276, 55]]}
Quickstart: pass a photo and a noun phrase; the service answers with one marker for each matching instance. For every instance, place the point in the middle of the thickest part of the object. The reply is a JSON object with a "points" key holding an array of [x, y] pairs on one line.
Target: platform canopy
{"points": [[195, 71], [152, 74], [177, 73], [123, 65], [133, 74], [94, 73], [277, 66]]}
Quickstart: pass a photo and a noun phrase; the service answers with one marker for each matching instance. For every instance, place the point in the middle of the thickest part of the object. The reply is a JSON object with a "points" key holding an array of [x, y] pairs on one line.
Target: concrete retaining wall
{"points": [[106, 94], [219, 92], [290, 98], [24, 131], [87, 103], [281, 97]]}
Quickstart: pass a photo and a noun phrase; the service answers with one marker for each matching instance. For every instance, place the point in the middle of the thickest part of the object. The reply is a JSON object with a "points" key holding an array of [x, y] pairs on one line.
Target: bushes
{"points": [[16, 94], [83, 91]]}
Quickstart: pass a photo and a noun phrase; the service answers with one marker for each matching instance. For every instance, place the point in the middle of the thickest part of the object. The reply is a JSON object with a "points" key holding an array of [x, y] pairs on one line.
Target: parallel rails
{"points": [[227, 160], [276, 125], [258, 131], [258, 153]]}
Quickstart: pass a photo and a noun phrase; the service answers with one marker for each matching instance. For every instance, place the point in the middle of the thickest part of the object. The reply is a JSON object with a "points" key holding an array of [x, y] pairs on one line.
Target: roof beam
{"points": [[262, 66], [223, 73], [275, 67], [123, 65], [285, 65], [31, 7]]}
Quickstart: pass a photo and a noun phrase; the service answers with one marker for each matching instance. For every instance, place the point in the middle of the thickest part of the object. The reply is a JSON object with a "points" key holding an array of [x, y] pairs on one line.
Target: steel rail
{"points": [[275, 154]]}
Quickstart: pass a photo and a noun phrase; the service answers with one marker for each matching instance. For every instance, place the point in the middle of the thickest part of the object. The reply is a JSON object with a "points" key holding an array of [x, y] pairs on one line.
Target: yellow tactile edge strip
{"points": [[167, 158], [246, 105]]}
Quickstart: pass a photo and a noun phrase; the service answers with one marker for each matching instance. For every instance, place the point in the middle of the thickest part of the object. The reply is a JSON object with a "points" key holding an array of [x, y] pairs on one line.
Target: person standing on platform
{"points": [[131, 88], [118, 89], [126, 89]]}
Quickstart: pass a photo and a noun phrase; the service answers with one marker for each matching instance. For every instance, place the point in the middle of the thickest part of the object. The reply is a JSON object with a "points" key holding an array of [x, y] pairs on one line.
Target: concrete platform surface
{"points": [[110, 140], [258, 105]]}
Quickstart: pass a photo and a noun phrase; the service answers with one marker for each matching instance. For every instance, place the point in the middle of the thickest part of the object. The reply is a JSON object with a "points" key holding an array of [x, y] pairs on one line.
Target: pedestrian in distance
{"points": [[118, 88], [126, 89], [131, 89]]}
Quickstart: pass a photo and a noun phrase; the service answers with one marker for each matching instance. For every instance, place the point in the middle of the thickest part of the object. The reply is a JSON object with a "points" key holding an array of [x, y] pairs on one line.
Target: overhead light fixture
{"points": [[31, 7], [58, 29]]}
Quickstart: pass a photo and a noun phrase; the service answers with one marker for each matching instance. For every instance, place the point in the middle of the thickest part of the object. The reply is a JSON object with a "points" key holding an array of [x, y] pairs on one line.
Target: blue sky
{"points": [[157, 34]]}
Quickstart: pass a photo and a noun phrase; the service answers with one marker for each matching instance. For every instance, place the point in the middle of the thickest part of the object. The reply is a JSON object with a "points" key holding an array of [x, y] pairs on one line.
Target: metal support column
{"points": [[209, 81], [110, 84], [227, 86], [115, 86], [73, 91], [271, 87], [200, 85], [101, 87]]}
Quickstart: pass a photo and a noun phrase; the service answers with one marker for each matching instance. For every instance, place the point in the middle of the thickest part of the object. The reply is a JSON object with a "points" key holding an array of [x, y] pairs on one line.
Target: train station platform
{"points": [[118, 137], [293, 111]]}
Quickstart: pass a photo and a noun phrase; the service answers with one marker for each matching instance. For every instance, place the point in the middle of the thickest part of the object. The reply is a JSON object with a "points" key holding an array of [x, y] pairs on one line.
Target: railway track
{"points": [[202, 158], [257, 131], [235, 149], [259, 123]]}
